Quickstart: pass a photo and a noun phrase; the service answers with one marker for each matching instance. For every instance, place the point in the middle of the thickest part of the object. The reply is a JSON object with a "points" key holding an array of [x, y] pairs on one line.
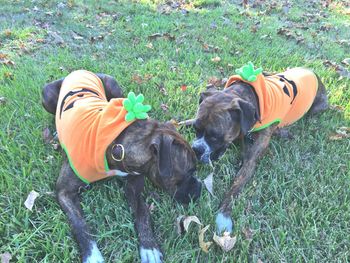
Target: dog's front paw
{"points": [[95, 255], [223, 223], [150, 255]]}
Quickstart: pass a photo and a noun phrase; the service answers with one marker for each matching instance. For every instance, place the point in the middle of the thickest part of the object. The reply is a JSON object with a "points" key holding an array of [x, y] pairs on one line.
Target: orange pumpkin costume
{"points": [[87, 123], [283, 98]]}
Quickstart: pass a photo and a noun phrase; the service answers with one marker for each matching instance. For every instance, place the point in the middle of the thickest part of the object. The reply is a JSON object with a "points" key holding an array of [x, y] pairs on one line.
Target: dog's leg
{"points": [[251, 153], [149, 251], [111, 86], [67, 187], [321, 100], [50, 95]]}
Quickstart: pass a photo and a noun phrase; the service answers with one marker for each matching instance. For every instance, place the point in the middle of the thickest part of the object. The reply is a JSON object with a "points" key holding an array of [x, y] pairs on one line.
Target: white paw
{"points": [[150, 255], [223, 223], [95, 255]]}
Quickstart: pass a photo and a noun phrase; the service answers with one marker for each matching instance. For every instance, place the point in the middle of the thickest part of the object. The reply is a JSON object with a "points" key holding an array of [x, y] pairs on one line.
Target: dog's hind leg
{"points": [[252, 151], [68, 187], [149, 251], [50, 95], [321, 100], [111, 86]]}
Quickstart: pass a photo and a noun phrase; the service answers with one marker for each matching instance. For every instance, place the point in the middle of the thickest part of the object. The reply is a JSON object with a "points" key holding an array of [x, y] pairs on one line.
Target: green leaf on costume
{"points": [[136, 110], [248, 73]]}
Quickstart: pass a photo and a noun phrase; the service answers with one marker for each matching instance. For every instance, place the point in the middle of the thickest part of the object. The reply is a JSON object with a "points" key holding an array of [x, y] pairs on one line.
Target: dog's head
{"points": [[159, 152], [174, 166], [221, 118]]}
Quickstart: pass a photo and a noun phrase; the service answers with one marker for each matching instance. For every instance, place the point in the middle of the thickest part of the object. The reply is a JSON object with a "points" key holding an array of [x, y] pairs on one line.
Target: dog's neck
{"points": [[245, 92]]}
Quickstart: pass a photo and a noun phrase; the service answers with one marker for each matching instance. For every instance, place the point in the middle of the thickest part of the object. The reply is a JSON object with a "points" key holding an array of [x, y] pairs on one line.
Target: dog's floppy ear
{"points": [[162, 149], [247, 114], [205, 94]]}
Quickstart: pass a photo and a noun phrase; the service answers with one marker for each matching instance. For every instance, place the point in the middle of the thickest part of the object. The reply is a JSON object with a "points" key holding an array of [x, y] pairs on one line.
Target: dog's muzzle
{"points": [[202, 150]]}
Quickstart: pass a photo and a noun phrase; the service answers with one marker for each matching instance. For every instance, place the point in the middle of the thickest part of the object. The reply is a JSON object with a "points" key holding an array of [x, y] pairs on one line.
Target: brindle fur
{"points": [[145, 143], [220, 112]]}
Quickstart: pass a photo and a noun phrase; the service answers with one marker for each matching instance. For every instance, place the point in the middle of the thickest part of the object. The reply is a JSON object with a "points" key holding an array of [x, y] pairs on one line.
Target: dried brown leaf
{"points": [[164, 107], [47, 136], [248, 233], [3, 56], [346, 61], [137, 78], [149, 45], [214, 81], [226, 242], [29, 203], [202, 244], [216, 59], [7, 62], [183, 223], [340, 133]]}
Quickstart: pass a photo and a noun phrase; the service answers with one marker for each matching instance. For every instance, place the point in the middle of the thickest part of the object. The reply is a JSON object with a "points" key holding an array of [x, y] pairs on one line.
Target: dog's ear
{"points": [[247, 114], [162, 149], [205, 94]]}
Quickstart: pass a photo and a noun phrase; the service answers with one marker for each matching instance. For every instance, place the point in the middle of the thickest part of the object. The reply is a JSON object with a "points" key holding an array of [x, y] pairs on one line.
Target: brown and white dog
{"points": [[152, 149], [226, 115]]}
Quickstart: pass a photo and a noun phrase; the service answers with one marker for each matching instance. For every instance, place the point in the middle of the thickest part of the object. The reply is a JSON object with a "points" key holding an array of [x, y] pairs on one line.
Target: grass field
{"points": [[297, 207]]}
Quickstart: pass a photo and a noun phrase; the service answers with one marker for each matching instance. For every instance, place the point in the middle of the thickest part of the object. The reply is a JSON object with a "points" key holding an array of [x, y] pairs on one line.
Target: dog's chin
{"points": [[189, 190], [216, 155]]}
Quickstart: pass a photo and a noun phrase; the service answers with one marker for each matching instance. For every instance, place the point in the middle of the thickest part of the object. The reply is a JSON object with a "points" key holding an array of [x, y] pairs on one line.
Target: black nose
{"points": [[191, 190], [198, 150]]}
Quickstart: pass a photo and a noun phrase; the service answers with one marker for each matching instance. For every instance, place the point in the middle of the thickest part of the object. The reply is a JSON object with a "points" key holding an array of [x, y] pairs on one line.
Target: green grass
{"points": [[297, 205]]}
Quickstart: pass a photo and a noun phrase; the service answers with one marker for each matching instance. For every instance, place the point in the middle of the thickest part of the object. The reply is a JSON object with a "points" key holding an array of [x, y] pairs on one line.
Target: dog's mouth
{"points": [[216, 155]]}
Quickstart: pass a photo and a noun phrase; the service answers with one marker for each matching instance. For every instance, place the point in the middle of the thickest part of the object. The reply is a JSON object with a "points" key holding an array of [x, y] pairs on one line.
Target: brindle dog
{"points": [[152, 149], [224, 116]]}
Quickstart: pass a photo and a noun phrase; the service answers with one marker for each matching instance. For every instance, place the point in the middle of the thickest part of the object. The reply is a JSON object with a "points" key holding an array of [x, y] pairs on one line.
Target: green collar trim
{"points": [[72, 166], [266, 125]]}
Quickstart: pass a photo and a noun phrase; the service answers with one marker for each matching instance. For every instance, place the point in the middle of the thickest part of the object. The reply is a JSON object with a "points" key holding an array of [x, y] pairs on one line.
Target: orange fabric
{"points": [[87, 123], [279, 101]]}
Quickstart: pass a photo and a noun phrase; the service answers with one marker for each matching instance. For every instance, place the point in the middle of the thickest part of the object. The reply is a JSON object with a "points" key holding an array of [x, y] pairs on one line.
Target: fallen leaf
{"points": [[204, 245], [226, 242], [248, 233], [214, 81], [6, 257], [8, 75], [162, 89], [175, 123], [216, 59], [164, 107], [346, 61], [7, 62], [47, 136], [337, 108], [342, 71], [340, 133], [137, 78], [166, 36], [8, 32], [76, 36], [183, 87], [3, 56], [56, 37], [31, 199], [149, 45], [183, 223], [208, 182], [3, 100]]}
